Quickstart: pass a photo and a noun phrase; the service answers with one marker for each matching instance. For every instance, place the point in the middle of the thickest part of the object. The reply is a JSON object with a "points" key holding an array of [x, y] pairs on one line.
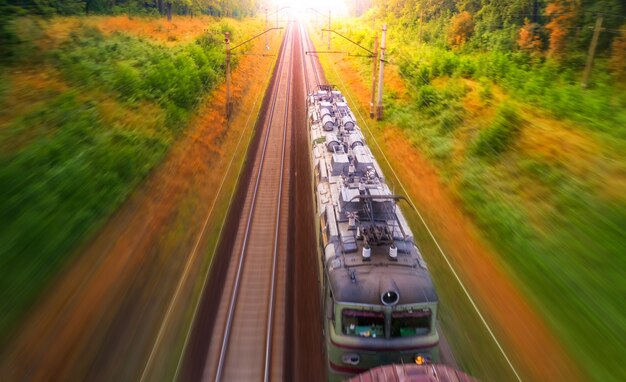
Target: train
{"points": [[379, 303]]}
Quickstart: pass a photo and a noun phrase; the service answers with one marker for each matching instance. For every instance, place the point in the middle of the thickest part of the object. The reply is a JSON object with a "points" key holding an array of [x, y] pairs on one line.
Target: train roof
{"points": [[369, 251]]}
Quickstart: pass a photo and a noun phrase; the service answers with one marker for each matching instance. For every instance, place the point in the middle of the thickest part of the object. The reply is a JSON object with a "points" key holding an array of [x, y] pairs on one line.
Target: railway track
{"points": [[313, 75], [250, 316], [247, 327]]}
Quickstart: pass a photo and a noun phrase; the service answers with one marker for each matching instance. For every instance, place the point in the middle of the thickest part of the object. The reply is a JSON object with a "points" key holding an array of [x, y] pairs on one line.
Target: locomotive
{"points": [[379, 302]]}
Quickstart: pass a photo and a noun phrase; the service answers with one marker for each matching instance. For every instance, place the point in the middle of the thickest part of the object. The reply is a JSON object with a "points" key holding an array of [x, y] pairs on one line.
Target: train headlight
{"points": [[422, 359], [350, 359]]}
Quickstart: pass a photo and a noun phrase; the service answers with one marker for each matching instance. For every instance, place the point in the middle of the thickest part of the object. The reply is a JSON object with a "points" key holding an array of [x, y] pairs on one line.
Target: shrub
{"points": [[127, 81], [444, 64], [495, 139], [17, 40], [423, 75], [450, 118], [466, 67], [486, 91], [428, 96]]}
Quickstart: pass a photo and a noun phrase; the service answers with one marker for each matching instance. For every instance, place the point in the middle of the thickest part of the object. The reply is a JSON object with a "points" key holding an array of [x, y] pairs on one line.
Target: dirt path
{"points": [[525, 336], [99, 321]]}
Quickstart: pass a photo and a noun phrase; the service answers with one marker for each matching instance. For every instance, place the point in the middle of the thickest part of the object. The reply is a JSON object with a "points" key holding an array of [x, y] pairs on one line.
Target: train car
{"points": [[413, 373], [379, 302]]}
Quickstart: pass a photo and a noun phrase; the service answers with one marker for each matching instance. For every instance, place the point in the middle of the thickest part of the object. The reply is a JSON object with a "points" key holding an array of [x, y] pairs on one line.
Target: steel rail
{"points": [[305, 40], [304, 65], [312, 61], [270, 317], [237, 281]]}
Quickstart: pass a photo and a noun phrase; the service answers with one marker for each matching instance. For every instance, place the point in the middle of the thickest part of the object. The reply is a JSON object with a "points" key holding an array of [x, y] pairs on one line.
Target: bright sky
{"points": [[337, 7]]}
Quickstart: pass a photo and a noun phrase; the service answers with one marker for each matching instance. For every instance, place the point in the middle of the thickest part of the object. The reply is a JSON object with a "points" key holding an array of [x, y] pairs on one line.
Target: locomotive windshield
{"points": [[408, 324], [363, 324]]}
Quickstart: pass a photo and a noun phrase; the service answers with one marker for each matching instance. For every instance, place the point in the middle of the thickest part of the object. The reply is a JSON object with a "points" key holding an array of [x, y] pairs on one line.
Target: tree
{"points": [[529, 39], [461, 28], [618, 54], [562, 14]]}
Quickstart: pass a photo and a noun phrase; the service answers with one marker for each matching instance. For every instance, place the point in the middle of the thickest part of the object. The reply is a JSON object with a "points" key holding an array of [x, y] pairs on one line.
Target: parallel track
{"points": [[312, 76], [253, 290]]}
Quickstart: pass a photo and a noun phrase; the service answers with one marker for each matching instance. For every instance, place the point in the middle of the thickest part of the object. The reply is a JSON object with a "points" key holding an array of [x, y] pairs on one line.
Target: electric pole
{"points": [[592, 51], [374, 59], [379, 108], [228, 101]]}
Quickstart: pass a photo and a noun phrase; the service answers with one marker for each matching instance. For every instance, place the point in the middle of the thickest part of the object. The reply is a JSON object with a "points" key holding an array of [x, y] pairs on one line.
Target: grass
{"points": [[559, 232], [495, 139], [71, 153]]}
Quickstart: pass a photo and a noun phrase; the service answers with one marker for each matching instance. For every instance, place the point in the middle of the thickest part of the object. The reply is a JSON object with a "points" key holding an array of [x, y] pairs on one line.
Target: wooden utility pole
{"points": [[379, 108], [374, 59], [228, 101], [592, 51]]}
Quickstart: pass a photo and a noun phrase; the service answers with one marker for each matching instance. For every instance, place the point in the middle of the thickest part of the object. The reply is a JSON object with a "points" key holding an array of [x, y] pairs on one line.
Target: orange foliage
{"points": [[461, 28], [529, 38], [181, 29], [562, 13], [618, 54]]}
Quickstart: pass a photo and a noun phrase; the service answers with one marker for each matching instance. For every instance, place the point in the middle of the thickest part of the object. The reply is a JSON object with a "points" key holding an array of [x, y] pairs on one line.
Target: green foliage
{"points": [[450, 119], [19, 37], [127, 81], [486, 90], [139, 70], [428, 96], [495, 139], [65, 166], [573, 262], [543, 83], [55, 189]]}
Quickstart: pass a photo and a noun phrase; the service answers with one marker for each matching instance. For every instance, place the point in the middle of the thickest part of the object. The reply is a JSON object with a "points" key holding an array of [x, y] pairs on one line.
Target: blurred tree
{"points": [[562, 15], [461, 29], [529, 39], [618, 54]]}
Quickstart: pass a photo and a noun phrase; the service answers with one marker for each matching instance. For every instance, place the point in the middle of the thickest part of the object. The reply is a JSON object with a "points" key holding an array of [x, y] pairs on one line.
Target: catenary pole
{"points": [[374, 59], [379, 108], [592, 51]]}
